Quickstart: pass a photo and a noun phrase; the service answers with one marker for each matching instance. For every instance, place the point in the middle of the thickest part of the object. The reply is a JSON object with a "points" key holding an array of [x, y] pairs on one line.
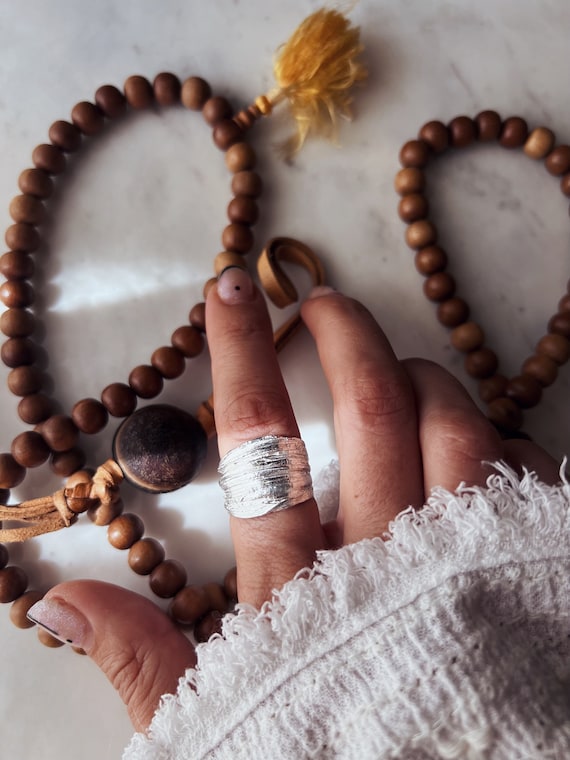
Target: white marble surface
{"points": [[137, 222]]}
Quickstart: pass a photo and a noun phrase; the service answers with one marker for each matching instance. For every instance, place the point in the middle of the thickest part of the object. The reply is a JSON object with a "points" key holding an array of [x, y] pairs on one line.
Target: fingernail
{"points": [[62, 621], [235, 286], [321, 290]]}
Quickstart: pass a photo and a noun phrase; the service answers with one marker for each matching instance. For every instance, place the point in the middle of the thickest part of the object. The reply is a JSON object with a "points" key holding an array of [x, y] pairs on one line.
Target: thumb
{"points": [[137, 646]]}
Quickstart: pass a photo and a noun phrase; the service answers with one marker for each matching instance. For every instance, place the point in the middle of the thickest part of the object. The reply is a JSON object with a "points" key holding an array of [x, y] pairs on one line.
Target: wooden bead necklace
{"points": [[506, 398]]}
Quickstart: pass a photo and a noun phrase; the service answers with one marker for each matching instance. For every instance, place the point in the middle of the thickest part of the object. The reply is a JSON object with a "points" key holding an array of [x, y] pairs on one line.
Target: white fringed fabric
{"points": [[451, 639]]}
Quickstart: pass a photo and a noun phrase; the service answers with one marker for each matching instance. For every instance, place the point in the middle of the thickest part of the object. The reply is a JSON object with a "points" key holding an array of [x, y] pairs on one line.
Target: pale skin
{"points": [[386, 412]]}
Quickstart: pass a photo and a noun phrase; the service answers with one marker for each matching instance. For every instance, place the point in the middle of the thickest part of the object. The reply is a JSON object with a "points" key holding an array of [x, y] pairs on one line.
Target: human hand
{"points": [[401, 429]]}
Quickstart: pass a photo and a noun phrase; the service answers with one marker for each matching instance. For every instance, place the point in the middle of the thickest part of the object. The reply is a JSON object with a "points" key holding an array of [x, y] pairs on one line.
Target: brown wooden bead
{"points": [[565, 184], [505, 413], [167, 579], [17, 323], [558, 161], [226, 133], [88, 118], [492, 387], [189, 604], [17, 294], [488, 126], [197, 316], [413, 207], [125, 530], [65, 463], [243, 210], [45, 638], [195, 93], [20, 607], [514, 132], [208, 285], [11, 473], [4, 499], [104, 514], [559, 324], [525, 390], [439, 286], [22, 237], [227, 259], [166, 88], [237, 238], [35, 182], [168, 361], [4, 556], [60, 432], [542, 368], [13, 582], [207, 626], [462, 131], [23, 381], [119, 399], [230, 584], [110, 101], [188, 340], [16, 265], [240, 157], [247, 183], [420, 234], [29, 449], [452, 312], [145, 555], [409, 180], [436, 135], [467, 337], [89, 415], [539, 143], [65, 136], [35, 408], [555, 346], [139, 92], [80, 476], [414, 153], [18, 352], [216, 109], [481, 363], [48, 158], [430, 260], [564, 304], [28, 209], [217, 599], [146, 381]]}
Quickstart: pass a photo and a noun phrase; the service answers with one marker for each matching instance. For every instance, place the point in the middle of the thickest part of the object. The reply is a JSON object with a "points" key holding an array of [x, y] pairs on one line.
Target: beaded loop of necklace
{"points": [[505, 398]]}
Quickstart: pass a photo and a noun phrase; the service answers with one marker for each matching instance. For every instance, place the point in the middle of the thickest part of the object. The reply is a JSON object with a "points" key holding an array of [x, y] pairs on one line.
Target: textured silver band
{"points": [[265, 475]]}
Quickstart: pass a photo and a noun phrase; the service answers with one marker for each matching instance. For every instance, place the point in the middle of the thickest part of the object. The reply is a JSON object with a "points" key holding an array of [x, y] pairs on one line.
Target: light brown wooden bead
{"points": [[22, 237], [104, 514], [167, 579], [197, 316], [539, 143], [35, 182], [205, 416], [168, 361], [65, 136], [60, 432], [166, 87], [216, 109], [492, 387], [227, 259], [146, 381], [452, 312], [505, 413], [29, 449], [17, 323], [514, 132], [16, 265], [89, 415], [110, 101], [208, 285], [18, 352], [462, 131], [556, 347], [243, 210], [560, 324], [541, 368], [237, 238], [78, 477], [145, 555], [64, 463], [439, 286], [436, 135], [481, 363], [13, 582], [409, 180], [564, 304], [20, 607], [240, 157], [488, 126], [28, 209], [188, 340], [17, 294], [420, 234], [430, 260], [565, 184], [413, 207], [23, 381], [48, 158], [125, 530], [35, 408], [119, 399], [207, 626], [525, 390], [247, 183], [88, 118], [467, 337], [45, 638], [414, 153], [189, 604], [230, 584], [195, 93], [558, 161], [139, 92], [217, 599], [226, 133]]}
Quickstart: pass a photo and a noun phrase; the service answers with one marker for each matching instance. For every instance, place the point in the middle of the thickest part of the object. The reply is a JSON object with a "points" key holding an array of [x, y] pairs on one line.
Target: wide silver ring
{"points": [[265, 475]]}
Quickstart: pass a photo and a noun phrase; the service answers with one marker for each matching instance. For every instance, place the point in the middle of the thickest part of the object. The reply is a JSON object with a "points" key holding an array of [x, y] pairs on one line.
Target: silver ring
{"points": [[265, 475]]}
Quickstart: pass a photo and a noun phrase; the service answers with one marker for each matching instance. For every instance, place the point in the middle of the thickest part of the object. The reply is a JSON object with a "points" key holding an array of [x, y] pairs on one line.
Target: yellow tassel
{"points": [[315, 71]]}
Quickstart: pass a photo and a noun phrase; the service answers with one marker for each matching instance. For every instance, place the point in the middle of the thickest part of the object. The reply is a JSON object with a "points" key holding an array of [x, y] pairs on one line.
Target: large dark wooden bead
{"points": [[160, 448]]}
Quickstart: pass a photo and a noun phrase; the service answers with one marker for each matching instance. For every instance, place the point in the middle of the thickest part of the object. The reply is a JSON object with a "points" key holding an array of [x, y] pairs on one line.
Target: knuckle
{"points": [[370, 401], [465, 437], [253, 410]]}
